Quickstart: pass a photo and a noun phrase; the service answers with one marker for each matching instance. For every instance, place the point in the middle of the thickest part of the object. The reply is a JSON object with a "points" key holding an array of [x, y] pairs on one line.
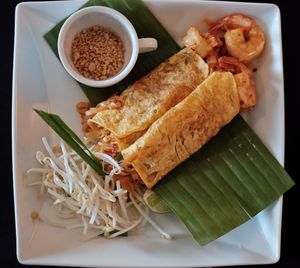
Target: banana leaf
{"points": [[226, 183], [230, 179]]}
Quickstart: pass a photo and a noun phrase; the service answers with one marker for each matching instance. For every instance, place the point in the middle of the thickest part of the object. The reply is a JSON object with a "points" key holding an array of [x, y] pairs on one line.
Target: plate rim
{"points": [[14, 113]]}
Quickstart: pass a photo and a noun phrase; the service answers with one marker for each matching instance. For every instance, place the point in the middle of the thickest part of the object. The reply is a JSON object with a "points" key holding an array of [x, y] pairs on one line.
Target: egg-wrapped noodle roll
{"points": [[185, 128], [151, 96]]}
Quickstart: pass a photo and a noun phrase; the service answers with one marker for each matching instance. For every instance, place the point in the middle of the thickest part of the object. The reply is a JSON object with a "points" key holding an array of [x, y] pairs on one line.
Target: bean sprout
{"points": [[99, 203]]}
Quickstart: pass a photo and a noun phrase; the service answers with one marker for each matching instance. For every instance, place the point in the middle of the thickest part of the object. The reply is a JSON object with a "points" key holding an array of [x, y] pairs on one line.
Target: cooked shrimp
{"points": [[244, 39], [243, 78]]}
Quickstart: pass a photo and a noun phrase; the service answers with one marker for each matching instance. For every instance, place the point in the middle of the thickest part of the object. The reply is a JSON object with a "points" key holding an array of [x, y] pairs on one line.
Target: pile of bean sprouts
{"points": [[100, 203]]}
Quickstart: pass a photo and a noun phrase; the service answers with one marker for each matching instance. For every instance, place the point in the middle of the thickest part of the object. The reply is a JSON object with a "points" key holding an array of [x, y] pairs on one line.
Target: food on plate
{"points": [[244, 39], [185, 128], [153, 152], [151, 127], [129, 115], [239, 34], [232, 42], [243, 78], [100, 205], [97, 53]]}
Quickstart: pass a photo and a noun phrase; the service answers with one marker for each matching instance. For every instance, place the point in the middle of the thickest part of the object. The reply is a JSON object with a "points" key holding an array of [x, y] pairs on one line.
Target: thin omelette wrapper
{"points": [[185, 128], [153, 95]]}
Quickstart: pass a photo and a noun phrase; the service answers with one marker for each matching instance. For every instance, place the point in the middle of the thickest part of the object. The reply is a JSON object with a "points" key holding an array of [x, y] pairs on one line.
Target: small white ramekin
{"points": [[112, 20]]}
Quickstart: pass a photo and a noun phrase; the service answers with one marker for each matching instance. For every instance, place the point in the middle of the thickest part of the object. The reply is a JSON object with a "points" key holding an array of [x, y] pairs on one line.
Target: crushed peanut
{"points": [[97, 53]]}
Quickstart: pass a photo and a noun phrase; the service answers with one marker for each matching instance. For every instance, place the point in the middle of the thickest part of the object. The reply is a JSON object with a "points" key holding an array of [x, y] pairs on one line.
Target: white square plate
{"points": [[40, 81]]}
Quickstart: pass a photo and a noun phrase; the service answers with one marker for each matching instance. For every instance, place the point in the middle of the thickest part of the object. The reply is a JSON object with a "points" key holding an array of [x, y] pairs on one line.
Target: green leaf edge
{"points": [[63, 131]]}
